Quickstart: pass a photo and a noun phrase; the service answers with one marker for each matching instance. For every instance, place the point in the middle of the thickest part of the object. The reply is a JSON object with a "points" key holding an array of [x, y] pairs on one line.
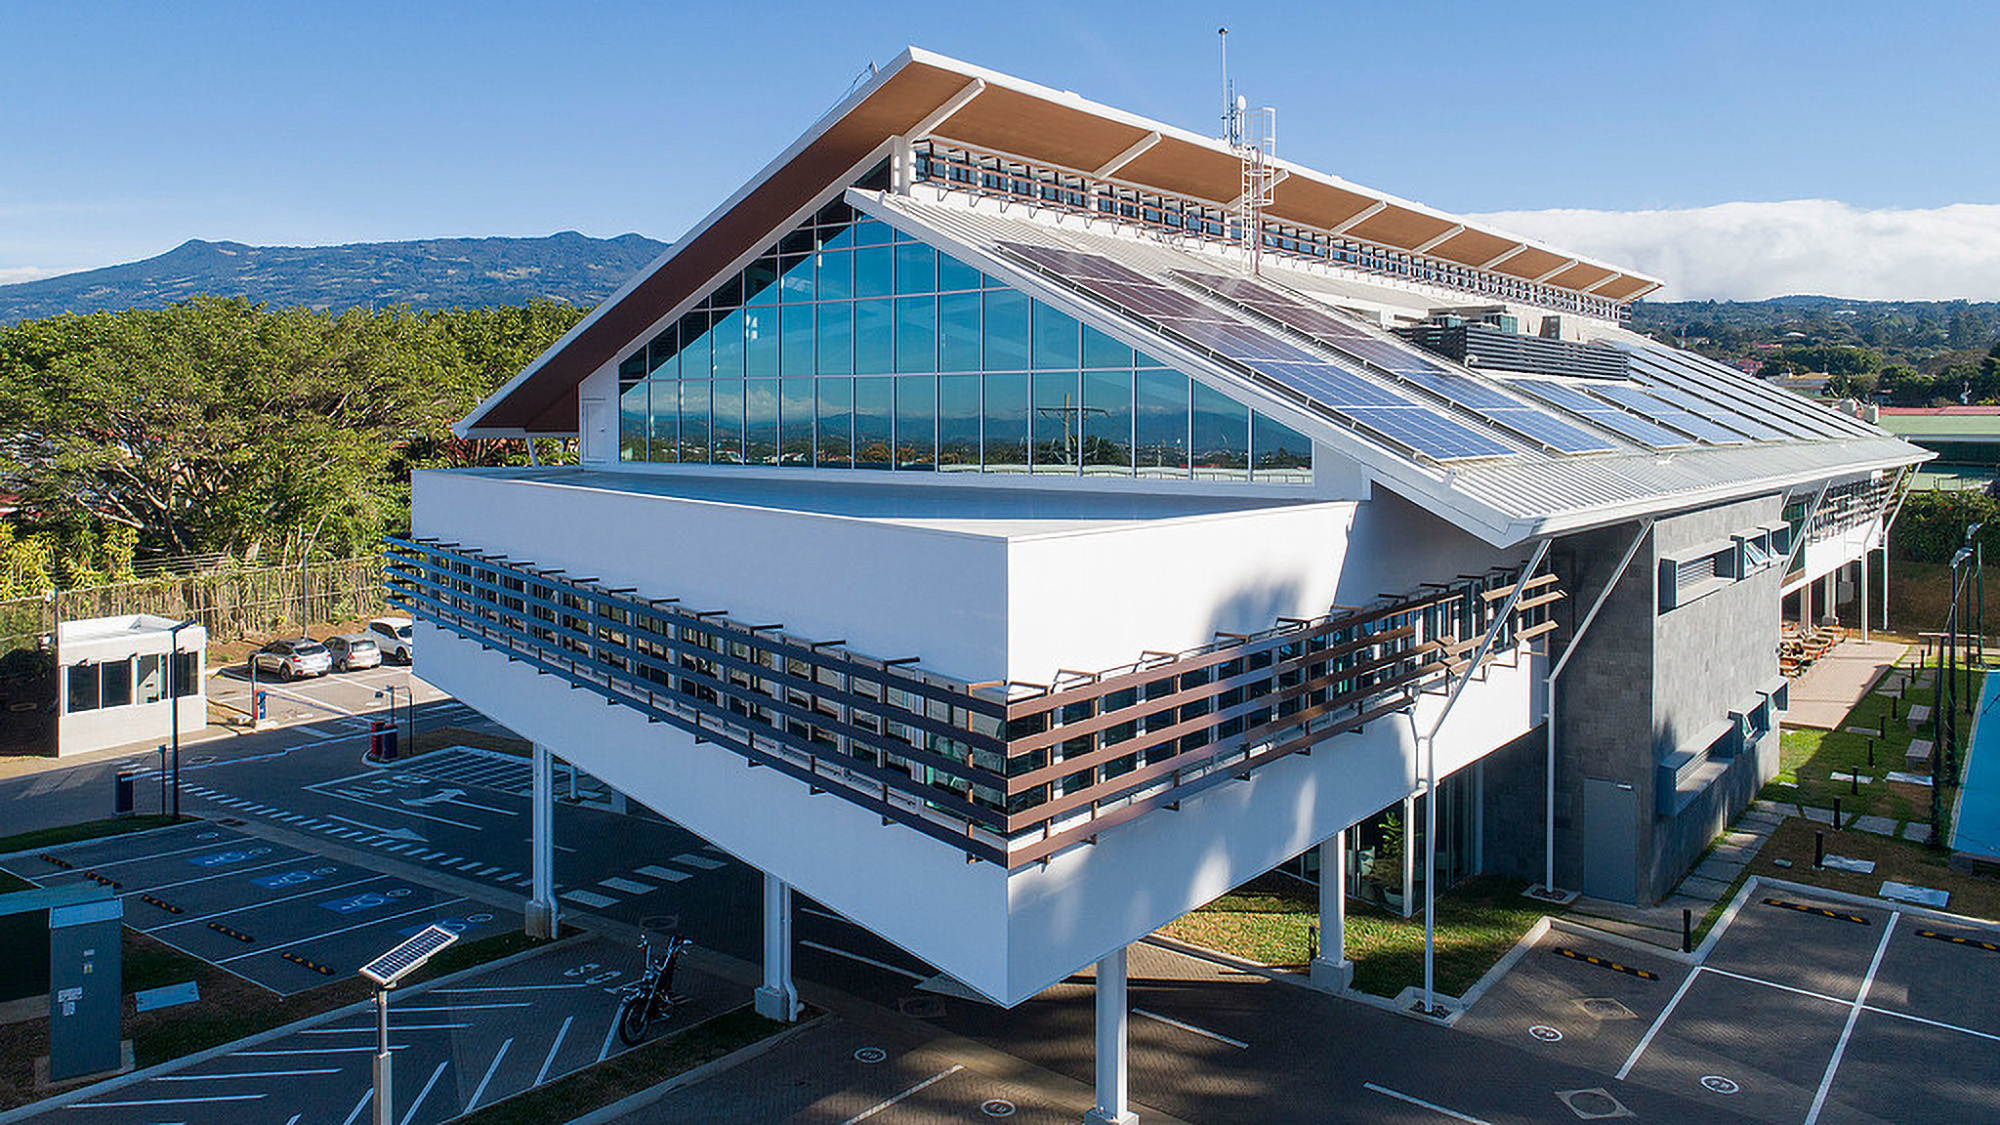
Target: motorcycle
{"points": [[652, 996]]}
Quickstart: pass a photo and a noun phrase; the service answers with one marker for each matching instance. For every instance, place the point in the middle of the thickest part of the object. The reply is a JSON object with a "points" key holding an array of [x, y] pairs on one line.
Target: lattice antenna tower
{"points": [[1253, 134]]}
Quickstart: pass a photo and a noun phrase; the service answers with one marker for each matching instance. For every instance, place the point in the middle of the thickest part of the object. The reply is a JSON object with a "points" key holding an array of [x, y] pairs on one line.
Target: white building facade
{"points": [[1015, 523], [125, 680]]}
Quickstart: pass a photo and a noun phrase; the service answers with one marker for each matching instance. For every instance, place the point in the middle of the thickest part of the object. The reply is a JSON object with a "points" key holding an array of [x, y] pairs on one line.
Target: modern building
{"points": [[127, 680], [1966, 440], [1014, 522]]}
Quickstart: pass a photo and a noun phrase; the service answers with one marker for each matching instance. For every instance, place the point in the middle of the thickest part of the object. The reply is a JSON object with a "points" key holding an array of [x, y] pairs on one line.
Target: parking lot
{"points": [[457, 1046], [1803, 1008], [283, 917]]}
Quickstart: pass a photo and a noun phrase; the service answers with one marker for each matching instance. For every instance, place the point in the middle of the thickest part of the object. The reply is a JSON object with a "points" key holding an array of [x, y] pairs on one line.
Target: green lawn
{"points": [[89, 830], [1808, 758], [1273, 921]]}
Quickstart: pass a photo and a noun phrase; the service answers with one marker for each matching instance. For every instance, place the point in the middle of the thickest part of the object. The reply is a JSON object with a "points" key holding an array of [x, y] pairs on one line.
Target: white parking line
{"points": [[501, 988], [1432, 1106], [371, 1029], [266, 902], [1860, 1002], [604, 1051], [1188, 1027], [342, 930], [1646, 1040], [314, 1051], [863, 960], [171, 1101], [220, 875], [425, 1093], [465, 1007], [355, 1113], [543, 1074], [473, 1101], [882, 1105], [246, 1074]]}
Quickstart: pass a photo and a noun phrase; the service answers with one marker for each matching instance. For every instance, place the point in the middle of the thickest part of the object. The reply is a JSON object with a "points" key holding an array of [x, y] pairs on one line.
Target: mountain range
{"points": [[430, 273]]}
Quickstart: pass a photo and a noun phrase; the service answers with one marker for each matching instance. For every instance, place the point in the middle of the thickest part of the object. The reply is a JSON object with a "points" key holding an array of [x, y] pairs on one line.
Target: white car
{"points": [[392, 636], [292, 659]]}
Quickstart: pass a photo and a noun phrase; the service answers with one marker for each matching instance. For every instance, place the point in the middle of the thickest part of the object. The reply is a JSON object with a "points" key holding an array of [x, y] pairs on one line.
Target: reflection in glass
{"points": [[1100, 350], [958, 332], [916, 268], [835, 448], [1221, 436], [797, 352], [694, 350], [797, 284], [795, 423], [759, 277], [875, 271], [835, 277], [836, 338], [760, 343], [1282, 454], [1161, 420], [874, 337], [1055, 338], [665, 424], [958, 422], [1006, 418], [760, 421], [1107, 422], [916, 334], [1006, 332], [874, 423], [954, 275], [1056, 425], [727, 340], [632, 423], [725, 434], [694, 421], [916, 419]]}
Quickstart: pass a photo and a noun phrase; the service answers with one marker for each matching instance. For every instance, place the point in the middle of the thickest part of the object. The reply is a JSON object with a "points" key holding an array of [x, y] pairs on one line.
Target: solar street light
{"points": [[385, 971]]}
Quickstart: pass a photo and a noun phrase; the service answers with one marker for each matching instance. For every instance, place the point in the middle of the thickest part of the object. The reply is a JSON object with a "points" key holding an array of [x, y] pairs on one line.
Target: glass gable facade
{"points": [[849, 345]]}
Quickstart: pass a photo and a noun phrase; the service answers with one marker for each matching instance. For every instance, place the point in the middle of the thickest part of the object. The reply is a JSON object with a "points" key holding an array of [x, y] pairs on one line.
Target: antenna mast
{"points": [[1232, 130], [1253, 134]]}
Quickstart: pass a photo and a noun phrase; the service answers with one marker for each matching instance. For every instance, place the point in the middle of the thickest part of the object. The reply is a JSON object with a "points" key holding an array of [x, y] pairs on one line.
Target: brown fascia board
{"points": [[544, 401]]}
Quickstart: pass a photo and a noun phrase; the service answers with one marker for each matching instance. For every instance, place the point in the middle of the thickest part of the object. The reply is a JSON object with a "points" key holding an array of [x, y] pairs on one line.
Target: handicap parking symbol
{"points": [[292, 878], [367, 900], [218, 859], [453, 925]]}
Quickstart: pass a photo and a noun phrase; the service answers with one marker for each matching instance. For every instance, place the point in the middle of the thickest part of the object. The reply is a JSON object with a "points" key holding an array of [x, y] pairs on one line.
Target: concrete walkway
{"points": [[1703, 887], [1822, 697]]}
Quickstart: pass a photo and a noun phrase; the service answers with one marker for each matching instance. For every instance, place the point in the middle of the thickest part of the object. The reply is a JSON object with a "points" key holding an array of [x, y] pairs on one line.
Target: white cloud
{"points": [[10, 275], [1749, 251]]}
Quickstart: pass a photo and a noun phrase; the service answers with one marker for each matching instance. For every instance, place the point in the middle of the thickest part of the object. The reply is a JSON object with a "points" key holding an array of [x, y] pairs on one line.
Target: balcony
{"points": [[1009, 773]]}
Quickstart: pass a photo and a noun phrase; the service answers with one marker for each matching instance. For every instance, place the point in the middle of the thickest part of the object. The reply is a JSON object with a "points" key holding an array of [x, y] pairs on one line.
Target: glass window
{"points": [[954, 274], [796, 352], [187, 673], [836, 338], [916, 268], [150, 680], [1280, 452], [795, 423], [665, 421], [725, 437], [82, 687], [116, 684], [633, 368], [916, 334], [760, 343], [1055, 338], [836, 234], [1006, 423], [694, 350], [1221, 436], [835, 448], [760, 421], [694, 421], [1006, 336], [870, 232], [727, 340], [1056, 432], [1107, 422], [836, 275], [958, 332], [874, 337], [874, 423], [632, 423], [797, 284], [1161, 421], [875, 271], [760, 279], [1100, 350], [958, 422], [664, 352], [916, 422]]}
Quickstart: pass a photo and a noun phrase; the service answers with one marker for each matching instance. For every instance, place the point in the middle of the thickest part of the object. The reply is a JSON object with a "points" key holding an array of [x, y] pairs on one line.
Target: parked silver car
{"points": [[353, 651], [291, 659]]}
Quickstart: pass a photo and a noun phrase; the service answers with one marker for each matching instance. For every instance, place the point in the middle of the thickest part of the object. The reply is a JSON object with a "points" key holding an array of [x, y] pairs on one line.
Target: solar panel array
{"points": [[1784, 413], [1603, 414], [1404, 362], [1379, 409], [1667, 414]]}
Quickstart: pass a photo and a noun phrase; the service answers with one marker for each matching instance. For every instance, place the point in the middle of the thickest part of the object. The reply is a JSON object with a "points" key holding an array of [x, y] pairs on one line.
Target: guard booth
{"points": [[66, 943], [128, 679]]}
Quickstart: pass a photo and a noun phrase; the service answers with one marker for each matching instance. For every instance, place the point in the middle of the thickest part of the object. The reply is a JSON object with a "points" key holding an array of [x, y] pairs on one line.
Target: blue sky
{"points": [[132, 127]]}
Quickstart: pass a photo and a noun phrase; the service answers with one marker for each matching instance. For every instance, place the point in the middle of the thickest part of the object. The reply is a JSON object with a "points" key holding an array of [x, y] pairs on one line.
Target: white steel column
{"points": [[778, 999], [1331, 970], [1885, 583], [1113, 1106], [541, 909], [1409, 855]]}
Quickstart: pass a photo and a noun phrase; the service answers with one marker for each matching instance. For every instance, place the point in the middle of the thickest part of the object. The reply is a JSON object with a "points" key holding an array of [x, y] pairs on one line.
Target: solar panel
{"points": [[1405, 363], [1705, 377], [393, 965], [1659, 410], [1603, 414], [1350, 396], [1721, 414]]}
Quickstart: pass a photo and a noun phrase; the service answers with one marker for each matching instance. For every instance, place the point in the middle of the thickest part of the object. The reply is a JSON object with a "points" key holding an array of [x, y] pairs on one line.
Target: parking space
{"points": [[456, 1047], [1804, 1008], [283, 917]]}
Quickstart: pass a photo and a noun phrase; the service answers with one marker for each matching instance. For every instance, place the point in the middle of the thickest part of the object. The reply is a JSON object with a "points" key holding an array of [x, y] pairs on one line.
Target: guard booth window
{"points": [[83, 687]]}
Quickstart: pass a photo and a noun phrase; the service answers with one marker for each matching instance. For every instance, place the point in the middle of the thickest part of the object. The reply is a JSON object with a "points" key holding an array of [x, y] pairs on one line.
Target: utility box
{"points": [[86, 988], [121, 794]]}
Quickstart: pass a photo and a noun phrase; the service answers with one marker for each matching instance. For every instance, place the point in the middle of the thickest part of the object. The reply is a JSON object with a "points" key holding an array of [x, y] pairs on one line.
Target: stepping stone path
{"points": [[1879, 825], [1922, 896], [1919, 753], [1849, 863], [1919, 715], [1910, 778]]}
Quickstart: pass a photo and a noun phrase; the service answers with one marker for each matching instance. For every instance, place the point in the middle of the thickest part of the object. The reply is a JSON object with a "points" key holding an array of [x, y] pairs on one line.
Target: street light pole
{"points": [[174, 707]]}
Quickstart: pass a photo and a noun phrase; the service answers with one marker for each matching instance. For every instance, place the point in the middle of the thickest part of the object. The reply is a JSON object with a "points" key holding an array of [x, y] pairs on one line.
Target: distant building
{"points": [[1966, 440], [1015, 522], [117, 680]]}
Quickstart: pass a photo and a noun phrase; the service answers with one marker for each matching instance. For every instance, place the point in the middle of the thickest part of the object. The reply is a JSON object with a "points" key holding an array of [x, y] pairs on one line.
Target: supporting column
{"points": [[1331, 970], [1864, 593], [541, 910], [1409, 855], [778, 999], [1885, 584], [1113, 1106]]}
